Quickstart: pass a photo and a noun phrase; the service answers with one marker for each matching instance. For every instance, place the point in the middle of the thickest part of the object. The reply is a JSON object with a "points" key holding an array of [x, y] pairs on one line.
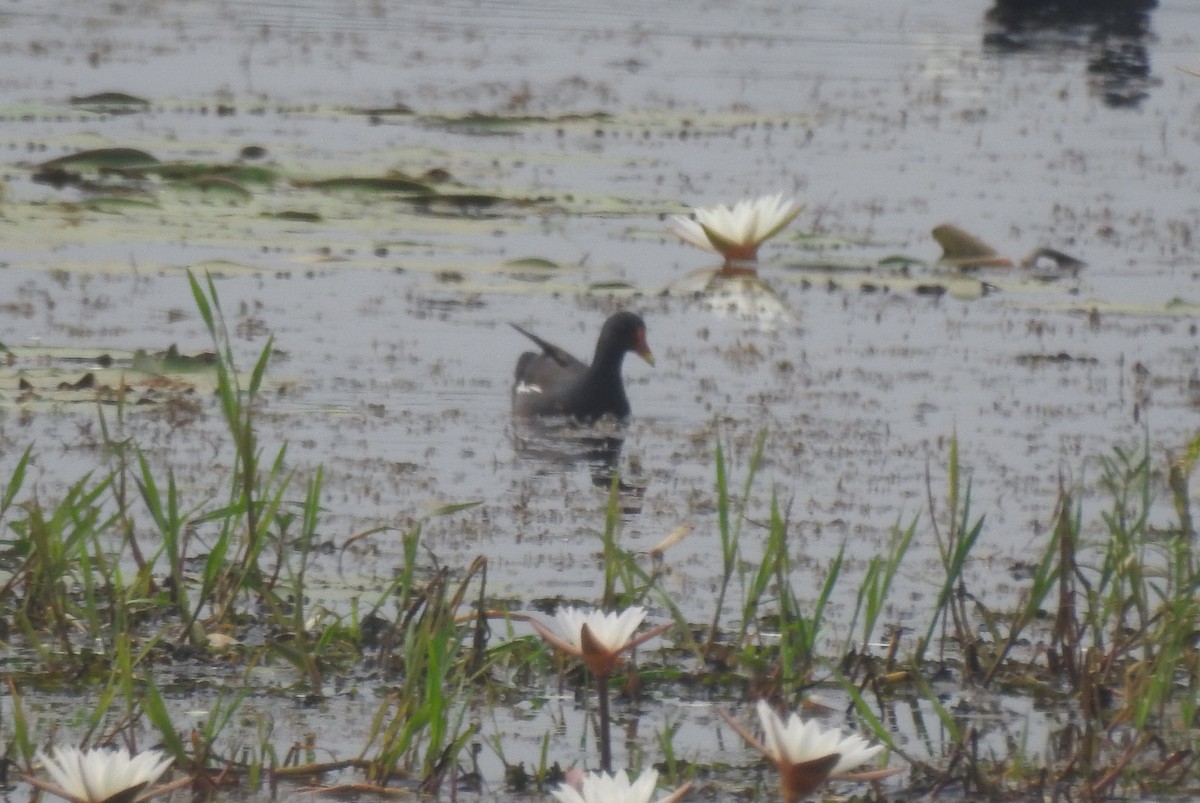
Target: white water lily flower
{"points": [[807, 755], [599, 787], [612, 630], [799, 741], [736, 233], [596, 637], [94, 776]]}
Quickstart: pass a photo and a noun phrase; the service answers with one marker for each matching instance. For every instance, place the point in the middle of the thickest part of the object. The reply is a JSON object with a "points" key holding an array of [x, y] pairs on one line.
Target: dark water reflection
{"points": [[1115, 35], [560, 445]]}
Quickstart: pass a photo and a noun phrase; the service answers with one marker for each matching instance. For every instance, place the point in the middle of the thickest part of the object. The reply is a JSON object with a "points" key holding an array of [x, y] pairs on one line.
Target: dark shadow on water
{"points": [[1115, 36], [560, 445]]}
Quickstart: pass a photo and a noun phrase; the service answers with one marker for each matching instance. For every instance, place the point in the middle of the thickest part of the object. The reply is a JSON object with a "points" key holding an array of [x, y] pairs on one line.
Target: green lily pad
{"points": [[475, 122], [1095, 307], [612, 285], [190, 171], [294, 216], [100, 159], [899, 261], [219, 188], [118, 204], [399, 110], [532, 262], [369, 184], [172, 362], [111, 103], [47, 376]]}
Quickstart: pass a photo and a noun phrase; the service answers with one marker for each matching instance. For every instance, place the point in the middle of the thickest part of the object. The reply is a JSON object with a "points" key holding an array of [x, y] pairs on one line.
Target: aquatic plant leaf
{"points": [[184, 171], [218, 187], [115, 204], [450, 508], [899, 261], [110, 103], [965, 250], [172, 362], [100, 159], [374, 184], [532, 263], [476, 122], [295, 216], [399, 110]]}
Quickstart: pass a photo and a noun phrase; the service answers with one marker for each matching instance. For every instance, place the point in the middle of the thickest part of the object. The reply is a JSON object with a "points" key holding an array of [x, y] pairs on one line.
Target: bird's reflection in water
{"points": [[561, 444], [1115, 35]]}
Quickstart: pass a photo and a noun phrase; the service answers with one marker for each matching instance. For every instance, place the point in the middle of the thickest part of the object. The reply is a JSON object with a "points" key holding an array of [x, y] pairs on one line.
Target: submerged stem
{"points": [[605, 730]]}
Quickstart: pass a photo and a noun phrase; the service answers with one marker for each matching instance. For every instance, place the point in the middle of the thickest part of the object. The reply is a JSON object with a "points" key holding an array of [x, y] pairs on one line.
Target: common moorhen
{"points": [[555, 383]]}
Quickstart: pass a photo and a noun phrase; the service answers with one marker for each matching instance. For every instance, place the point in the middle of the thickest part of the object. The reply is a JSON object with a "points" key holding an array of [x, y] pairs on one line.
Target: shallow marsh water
{"points": [[391, 320]]}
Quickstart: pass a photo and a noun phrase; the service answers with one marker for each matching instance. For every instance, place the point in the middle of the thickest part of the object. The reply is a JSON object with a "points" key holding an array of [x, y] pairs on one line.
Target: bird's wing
{"points": [[560, 356]]}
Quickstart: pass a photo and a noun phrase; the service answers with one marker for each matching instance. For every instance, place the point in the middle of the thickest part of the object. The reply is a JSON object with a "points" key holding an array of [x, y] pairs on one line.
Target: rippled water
{"points": [[395, 361]]}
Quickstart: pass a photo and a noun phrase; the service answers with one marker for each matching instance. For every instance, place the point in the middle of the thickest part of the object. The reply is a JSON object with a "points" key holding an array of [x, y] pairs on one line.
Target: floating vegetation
{"points": [[111, 103], [41, 377], [964, 250], [480, 123], [97, 159], [368, 185]]}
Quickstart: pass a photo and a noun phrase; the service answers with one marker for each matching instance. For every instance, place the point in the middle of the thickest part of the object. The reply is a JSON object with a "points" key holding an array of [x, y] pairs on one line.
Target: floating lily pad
{"points": [[220, 188], [538, 263], [116, 204], [172, 362], [48, 376], [190, 171], [369, 184], [612, 285], [508, 124], [532, 269], [111, 103], [899, 261], [295, 216], [100, 159], [1095, 307], [399, 110]]}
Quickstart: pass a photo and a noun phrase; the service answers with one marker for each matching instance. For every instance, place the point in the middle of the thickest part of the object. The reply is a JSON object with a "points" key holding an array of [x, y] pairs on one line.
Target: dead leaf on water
{"points": [[673, 538], [964, 250]]}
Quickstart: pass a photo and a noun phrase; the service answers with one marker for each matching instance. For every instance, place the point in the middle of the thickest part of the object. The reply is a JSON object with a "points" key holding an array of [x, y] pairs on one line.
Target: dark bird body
{"points": [[554, 382]]}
